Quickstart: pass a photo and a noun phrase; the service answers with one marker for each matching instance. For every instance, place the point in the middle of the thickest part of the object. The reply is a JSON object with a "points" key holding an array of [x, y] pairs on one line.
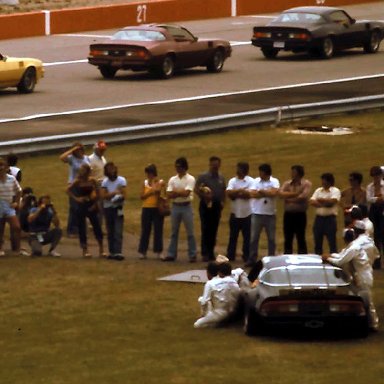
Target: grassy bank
{"points": [[73, 321]]}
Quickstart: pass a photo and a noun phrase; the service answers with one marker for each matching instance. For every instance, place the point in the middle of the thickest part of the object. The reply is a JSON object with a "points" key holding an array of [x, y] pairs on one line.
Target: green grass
{"points": [[90, 321]]}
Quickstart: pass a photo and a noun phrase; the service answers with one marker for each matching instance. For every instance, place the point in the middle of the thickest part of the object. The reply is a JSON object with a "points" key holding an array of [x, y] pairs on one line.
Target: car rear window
{"points": [[301, 276], [295, 17], [138, 35]]}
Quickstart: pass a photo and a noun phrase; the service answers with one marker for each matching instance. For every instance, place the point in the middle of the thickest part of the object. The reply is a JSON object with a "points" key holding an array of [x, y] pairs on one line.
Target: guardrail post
{"points": [[233, 8], [47, 15]]}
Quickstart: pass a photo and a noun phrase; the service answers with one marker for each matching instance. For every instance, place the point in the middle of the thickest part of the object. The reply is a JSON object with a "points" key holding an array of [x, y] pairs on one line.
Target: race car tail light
{"points": [[299, 36], [96, 52], [348, 307], [138, 53], [262, 35], [279, 307]]}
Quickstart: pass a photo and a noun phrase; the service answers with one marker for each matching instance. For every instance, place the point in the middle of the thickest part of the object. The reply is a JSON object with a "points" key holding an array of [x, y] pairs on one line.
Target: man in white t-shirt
{"points": [[240, 218], [325, 200], [97, 161], [180, 191], [264, 191]]}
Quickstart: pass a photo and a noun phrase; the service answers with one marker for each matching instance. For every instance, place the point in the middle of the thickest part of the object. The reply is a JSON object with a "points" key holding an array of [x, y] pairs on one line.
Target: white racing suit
{"points": [[220, 298], [360, 265]]}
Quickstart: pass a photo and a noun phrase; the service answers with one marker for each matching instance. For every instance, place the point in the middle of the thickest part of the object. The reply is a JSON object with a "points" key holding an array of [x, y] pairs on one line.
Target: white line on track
{"points": [[65, 62], [202, 97]]}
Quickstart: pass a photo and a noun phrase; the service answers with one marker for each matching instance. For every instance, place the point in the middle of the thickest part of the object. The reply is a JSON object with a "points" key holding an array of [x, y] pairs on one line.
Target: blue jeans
{"points": [[258, 223], [182, 213], [114, 223]]}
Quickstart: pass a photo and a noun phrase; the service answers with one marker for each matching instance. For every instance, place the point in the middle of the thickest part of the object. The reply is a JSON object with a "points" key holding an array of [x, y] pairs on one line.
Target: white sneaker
{"points": [[54, 253], [142, 256], [2, 253], [23, 252]]}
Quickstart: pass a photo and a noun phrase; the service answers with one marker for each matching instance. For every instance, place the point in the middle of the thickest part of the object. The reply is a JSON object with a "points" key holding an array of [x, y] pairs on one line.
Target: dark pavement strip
{"points": [[157, 113]]}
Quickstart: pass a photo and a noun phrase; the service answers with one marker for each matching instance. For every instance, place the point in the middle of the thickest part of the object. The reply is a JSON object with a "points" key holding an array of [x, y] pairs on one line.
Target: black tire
{"points": [[216, 63], [167, 67], [327, 48], [270, 53], [107, 72], [373, 43], [28, 81], [251, 323]]}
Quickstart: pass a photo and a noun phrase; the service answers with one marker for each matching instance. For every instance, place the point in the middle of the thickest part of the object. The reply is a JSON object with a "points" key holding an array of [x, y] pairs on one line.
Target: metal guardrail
{"points": [[205, 124]]}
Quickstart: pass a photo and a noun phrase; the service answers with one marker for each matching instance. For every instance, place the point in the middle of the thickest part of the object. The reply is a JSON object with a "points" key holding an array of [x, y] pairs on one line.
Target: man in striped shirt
{"points": [[10, 193]]}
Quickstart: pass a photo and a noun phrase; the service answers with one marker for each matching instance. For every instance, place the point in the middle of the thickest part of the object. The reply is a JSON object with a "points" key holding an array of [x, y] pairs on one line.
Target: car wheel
{"points": [[250, 322], [270, 53], [28, 81], [216, 62], [167, 68], [107, 72], [373, 44], [327, 48]]}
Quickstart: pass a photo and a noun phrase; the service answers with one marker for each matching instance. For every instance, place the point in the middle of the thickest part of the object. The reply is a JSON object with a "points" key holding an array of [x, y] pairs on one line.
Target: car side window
{"points": [[340, 17], [180, 34]]}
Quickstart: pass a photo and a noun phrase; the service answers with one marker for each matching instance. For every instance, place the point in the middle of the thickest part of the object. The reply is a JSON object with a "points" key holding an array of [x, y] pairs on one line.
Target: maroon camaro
{"points": [[161, 49]]}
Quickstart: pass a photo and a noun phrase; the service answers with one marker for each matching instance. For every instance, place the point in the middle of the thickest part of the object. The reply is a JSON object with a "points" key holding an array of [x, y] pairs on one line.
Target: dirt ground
{"points": [[37, 5]]}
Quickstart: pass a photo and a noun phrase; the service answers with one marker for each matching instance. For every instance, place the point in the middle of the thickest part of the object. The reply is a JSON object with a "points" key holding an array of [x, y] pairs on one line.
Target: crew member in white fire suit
{"points": [[222, 294], [355, 255]]}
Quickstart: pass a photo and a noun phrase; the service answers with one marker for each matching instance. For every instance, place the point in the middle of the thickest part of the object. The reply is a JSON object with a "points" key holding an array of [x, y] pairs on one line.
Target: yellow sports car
{"points": [[22, 73]]}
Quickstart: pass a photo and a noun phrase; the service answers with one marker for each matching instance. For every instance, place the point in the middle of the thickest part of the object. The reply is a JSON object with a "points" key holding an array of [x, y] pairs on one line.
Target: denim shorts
{"points": [[6, 210]]}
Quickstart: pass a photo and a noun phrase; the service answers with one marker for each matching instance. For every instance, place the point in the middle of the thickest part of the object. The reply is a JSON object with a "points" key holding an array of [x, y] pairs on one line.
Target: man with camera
{"points": [[40, 219]]}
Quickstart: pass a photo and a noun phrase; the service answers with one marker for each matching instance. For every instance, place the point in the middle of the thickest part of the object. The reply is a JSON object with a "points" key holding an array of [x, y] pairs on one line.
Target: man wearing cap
{"points": [[357, 258], [97, 161]]}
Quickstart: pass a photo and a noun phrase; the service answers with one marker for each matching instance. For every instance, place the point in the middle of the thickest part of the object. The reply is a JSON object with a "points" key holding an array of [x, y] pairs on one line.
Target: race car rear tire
{"points": [[270, 53], [107, 72], [373, 43], [327, 48], [28, 81], [216, 63], [167, 68]]}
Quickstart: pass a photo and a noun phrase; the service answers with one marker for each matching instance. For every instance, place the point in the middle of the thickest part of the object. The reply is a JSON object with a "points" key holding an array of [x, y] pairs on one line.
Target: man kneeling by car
{"points": [[221, 298], [40, 233]]}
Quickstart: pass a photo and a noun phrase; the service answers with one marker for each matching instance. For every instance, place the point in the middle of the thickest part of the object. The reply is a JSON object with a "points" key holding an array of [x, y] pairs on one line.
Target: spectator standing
{"points": [[152, 189], [10, 193], [375, 198], [97, 162], [210, 187], [40, 232], [180, 190], [85, 194], [264, 191], [74, 157], [240, 217], [14, 170], [295, 193], [354, 195], [325, 199], [113, 195]]}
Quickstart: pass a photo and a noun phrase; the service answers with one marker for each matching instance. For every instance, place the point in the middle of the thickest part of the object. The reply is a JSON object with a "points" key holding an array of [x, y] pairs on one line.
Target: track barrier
{"points": [[115, 16]]}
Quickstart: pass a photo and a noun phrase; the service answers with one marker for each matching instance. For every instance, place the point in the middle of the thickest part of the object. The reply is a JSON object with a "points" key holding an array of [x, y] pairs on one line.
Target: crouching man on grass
{"points": [[40, 220], [220, 298]]}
